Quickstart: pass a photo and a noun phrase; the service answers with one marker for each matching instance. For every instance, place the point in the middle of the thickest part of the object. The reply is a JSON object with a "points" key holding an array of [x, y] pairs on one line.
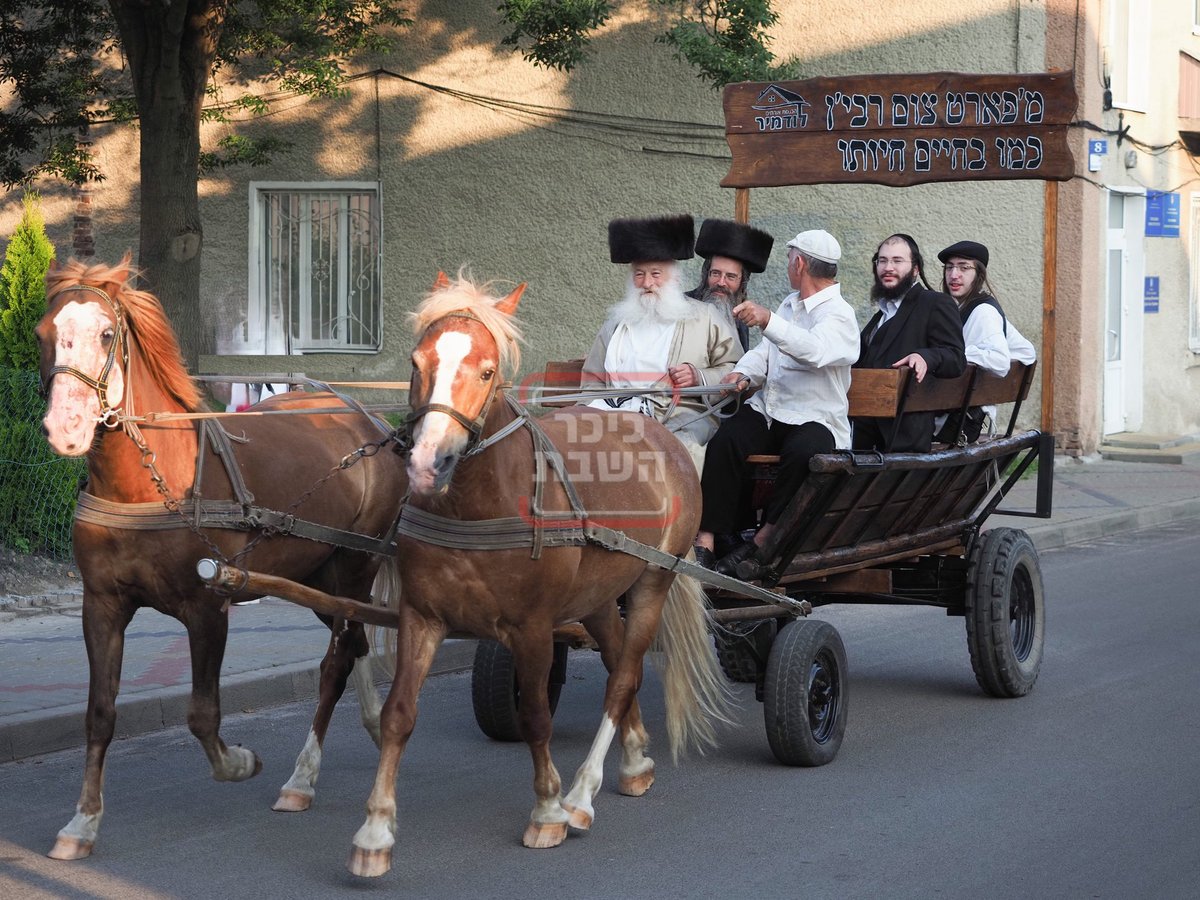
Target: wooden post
{"points": [[741, 205], [1049, 285]]}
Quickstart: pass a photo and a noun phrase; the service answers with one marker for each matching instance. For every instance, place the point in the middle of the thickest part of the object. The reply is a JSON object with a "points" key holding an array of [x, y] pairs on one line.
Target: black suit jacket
{"points": [[927, 323]]}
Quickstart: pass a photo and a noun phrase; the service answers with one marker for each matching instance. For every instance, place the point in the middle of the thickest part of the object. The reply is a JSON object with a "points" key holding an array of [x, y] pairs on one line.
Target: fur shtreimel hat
{"points": [[651, 240], [724, 237]]}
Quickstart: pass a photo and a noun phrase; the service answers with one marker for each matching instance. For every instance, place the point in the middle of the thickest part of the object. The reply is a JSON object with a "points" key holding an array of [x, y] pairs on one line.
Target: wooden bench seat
{"points": [[887, 393]]}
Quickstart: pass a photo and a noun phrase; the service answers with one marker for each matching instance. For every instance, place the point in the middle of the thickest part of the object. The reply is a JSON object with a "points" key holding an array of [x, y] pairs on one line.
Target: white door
{"points": [[1123, 313]]}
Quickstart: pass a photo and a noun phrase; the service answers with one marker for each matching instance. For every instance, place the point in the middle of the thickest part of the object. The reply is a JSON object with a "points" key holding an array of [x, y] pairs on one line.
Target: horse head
{"points": [[467, 346], [94, 322], [83, 337]]}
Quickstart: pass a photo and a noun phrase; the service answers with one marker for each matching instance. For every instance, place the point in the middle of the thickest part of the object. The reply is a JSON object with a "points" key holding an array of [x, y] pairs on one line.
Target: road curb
{"points": [[62, 728], [1056, 536]]}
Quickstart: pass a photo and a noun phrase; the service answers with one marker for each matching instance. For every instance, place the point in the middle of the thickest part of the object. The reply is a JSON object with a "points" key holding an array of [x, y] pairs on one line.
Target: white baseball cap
{"points": [[818, 244]]}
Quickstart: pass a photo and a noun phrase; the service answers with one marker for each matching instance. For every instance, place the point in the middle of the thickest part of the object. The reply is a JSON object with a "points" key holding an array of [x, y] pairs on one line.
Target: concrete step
{"points": [[1133, 440], [1177, 454]]}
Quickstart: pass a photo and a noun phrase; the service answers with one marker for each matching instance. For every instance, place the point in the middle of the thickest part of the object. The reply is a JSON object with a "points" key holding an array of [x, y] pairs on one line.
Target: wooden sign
{"points": [[900, 129]]}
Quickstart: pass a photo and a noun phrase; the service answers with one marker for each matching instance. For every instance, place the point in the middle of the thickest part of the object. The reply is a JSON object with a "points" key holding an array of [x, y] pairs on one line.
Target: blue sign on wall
{"points": [[1162, 214], [1151, 294]]}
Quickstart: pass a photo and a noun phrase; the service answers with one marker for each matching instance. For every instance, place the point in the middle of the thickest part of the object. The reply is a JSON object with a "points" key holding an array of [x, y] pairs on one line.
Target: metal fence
{"points": [[37, 488]]}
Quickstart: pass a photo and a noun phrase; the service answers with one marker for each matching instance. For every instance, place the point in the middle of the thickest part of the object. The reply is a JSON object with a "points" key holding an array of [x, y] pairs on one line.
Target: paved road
{"points": [[1087, 788]]}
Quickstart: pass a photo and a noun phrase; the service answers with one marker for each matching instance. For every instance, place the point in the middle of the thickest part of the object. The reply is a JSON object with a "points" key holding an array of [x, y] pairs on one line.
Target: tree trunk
{"points": [[170, 45]]}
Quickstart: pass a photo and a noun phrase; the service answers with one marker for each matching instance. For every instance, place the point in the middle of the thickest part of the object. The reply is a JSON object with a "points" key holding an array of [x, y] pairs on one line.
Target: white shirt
{"points": [[989, 348], [802, 364], [637, 358]]}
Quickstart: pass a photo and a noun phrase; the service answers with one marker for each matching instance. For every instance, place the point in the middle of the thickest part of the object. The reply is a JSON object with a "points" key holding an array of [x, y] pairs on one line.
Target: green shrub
{"points": [[37, 487], [23, 287]]}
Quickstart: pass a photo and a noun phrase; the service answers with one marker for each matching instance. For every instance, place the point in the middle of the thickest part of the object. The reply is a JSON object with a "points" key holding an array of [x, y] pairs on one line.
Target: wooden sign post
{"points": [[901, 130]]}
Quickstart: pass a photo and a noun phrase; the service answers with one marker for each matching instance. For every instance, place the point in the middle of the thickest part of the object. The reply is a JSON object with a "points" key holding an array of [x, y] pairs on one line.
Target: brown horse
{"points": [[472, 458], [105, 345]]}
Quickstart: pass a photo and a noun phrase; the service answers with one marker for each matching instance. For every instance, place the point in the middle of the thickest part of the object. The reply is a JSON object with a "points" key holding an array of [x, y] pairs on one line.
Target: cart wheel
{"points": [[742, 648], [1005, 613], [494, 691], [804, 701]]}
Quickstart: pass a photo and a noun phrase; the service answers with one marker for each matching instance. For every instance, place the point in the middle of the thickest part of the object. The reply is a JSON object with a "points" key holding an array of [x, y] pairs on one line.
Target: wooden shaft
{"points": [[272, 585], [741, 205], [1049, 286]]}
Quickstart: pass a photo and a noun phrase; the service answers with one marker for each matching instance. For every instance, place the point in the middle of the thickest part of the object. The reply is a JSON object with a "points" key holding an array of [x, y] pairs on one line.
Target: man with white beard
{"points": [[657, 337]]}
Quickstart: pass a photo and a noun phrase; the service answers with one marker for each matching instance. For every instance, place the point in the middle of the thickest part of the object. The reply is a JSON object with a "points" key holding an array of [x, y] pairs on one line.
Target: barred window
{"points": [[318, 259]]}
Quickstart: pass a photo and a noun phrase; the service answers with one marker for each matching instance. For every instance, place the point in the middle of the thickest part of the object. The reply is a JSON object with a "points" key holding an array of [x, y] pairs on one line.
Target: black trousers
{"points": [[913, 434], [727, 484]]}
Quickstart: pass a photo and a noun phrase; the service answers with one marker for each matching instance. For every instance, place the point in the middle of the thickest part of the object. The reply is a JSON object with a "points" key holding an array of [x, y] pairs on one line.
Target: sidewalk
{"points": [[274, 646]]}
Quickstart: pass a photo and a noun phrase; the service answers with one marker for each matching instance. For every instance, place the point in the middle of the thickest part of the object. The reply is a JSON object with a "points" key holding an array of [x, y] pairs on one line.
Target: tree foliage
{"points": [[23, 288], [725, 40], [66, 68]]}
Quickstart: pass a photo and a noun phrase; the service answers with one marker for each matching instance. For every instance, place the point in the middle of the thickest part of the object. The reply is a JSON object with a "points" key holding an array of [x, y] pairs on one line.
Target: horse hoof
{"points": [[580, 819], [369, 863], [541, 837], [292, 801], [70, 848], [635, 785]]}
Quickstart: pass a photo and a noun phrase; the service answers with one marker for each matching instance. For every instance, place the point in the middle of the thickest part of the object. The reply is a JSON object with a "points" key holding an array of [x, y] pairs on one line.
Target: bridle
{"points": [[474, 427], [109, 413]]}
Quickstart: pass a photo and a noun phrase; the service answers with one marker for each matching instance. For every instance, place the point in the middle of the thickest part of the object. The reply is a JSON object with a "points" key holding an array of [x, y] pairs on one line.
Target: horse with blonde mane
{"points": [[477, 470], [106, 346]]}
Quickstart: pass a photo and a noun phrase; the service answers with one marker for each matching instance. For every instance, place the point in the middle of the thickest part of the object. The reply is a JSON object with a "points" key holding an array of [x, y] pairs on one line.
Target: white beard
{"points": [[666, 305]]}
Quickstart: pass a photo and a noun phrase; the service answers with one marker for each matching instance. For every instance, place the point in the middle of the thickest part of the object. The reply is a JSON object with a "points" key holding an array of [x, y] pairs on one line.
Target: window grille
{"points": [[319, 263]]}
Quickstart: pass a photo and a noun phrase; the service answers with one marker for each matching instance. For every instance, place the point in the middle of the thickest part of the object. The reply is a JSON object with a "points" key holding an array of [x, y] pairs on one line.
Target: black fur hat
{"points": [[724, 237], [649, 240]]}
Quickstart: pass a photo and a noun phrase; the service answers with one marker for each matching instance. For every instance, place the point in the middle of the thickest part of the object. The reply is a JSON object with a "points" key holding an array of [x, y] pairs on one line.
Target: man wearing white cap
{"points": [[802, 370], [657, 337]]}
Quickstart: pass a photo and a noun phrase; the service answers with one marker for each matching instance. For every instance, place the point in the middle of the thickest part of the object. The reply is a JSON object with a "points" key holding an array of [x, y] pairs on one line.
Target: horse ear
{"points": [[508, 305], [442, 282]]}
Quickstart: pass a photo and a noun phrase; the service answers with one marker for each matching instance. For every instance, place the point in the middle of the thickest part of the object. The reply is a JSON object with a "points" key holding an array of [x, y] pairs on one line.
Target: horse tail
{"points": [[385, 592], [697, 692]]}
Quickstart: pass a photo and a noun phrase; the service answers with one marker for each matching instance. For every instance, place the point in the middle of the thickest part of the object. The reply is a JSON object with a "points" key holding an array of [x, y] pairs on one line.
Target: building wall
{"points": [[524, 193]]}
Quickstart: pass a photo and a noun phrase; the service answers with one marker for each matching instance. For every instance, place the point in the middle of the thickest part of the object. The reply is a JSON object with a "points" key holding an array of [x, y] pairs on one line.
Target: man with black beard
{"points": [[657, 337], [915, 328], [731, 251]]}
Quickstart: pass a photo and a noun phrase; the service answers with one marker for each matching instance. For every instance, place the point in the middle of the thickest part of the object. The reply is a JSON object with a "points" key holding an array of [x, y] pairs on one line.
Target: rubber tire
{"points": [[494, 691], [805, 693], [1005, 612], [735, 656]]}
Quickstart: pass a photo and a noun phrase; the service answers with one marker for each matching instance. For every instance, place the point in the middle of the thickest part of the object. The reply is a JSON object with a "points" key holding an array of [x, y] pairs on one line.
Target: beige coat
{"points": [[708, 343]]}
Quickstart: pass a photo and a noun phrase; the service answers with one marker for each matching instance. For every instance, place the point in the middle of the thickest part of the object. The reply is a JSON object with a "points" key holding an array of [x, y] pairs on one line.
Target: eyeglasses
{"points": [[959, 267], [897, 261]]}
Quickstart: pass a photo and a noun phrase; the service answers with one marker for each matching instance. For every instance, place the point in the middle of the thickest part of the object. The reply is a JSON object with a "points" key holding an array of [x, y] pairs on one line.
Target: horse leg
{"points": [[646, 599], [637, 769], [347, 641], [207, 628], [104, 636], [417, 640], [533, 653]]}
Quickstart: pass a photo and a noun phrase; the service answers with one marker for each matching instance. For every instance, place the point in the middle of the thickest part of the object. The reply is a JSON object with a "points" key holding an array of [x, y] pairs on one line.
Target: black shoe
{"points": [[705, 557], [727, 564]]}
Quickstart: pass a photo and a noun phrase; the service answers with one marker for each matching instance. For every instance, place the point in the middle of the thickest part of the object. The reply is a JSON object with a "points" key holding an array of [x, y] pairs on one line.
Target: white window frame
{"points": [[1194, 299], [259, 335], [1127, 62]]}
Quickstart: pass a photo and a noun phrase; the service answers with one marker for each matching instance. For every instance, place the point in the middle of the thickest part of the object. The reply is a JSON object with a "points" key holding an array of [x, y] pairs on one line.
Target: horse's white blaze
{"points": [[452, 348], [74, 406], [591, 773]]}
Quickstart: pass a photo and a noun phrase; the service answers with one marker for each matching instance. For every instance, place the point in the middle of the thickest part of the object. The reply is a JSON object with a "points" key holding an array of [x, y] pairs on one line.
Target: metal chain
{"points": [[366, 450]]}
